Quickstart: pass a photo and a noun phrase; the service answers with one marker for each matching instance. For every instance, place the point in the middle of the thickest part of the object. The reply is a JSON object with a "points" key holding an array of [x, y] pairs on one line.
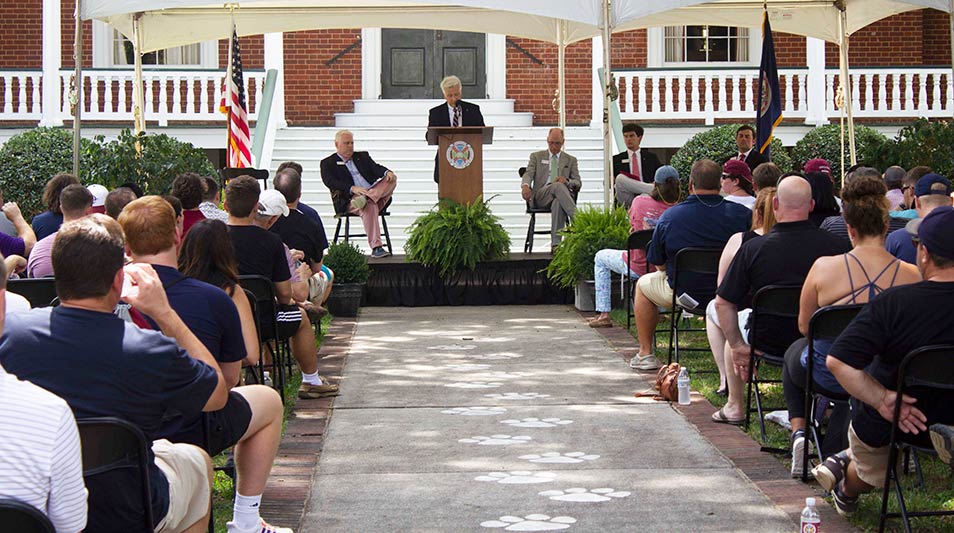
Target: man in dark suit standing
{"points": [[455, 112], [358, 186], [745, 141], [634, 169]]}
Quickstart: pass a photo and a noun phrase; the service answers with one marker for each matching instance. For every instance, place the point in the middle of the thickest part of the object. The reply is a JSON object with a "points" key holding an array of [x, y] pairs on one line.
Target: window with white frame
{"points": [[702, 45], [112, 49]]}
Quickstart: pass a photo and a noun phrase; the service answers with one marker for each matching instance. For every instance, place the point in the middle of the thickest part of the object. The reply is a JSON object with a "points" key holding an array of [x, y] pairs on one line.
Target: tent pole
{"points": [[139, 117], [77, 86], [561, 85], [846, 83], [607, 80], [950, 20]]}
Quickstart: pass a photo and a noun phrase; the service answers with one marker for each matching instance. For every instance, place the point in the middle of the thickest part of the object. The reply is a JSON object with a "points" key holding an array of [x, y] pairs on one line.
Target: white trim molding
{"points": [[496, 64], [52, 34], [370, 63]]}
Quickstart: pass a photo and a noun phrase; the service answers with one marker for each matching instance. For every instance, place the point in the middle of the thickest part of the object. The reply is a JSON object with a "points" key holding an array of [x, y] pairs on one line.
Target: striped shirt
{"points": [[40, 461]]}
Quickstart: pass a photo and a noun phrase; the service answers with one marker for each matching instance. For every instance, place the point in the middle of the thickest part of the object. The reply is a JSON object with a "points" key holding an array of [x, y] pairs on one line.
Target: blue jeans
{"points": [[605, 262]]}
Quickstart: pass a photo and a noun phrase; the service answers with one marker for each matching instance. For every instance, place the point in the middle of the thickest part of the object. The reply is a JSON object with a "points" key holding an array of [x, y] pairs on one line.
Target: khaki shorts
{"points": [[317, 284], [185, 467], [656, 289], [871, 463]]}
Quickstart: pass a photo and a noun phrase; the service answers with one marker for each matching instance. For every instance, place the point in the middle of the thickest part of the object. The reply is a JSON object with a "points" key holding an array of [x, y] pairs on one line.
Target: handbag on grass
{"points": [[666, 387]]}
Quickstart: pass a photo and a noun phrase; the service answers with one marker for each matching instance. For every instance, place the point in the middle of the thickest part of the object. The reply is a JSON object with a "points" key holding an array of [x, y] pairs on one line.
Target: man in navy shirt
{"points": [[704, 219], [104, 366], [306, 209], [252, 418]]}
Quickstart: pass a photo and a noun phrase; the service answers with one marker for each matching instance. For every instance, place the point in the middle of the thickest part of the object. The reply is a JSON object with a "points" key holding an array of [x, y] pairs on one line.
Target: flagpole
{"points": [[846, 83], [228, 95]]}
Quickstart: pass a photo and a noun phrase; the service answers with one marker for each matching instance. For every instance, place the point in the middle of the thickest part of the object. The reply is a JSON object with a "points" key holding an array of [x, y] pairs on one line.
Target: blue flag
{"points": [[770, 100]]}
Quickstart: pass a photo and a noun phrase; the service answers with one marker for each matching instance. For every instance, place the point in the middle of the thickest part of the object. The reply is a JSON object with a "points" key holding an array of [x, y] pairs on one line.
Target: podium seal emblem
{"points": [[460, 154]]}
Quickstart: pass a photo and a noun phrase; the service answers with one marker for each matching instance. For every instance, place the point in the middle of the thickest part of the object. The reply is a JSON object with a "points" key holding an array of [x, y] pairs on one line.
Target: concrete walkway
{"points": [[515, 419]]}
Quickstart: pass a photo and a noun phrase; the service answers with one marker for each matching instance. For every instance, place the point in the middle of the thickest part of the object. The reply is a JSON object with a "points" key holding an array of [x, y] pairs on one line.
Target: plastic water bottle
{"points": [[811, 520], [268, 379], [683, 383]]}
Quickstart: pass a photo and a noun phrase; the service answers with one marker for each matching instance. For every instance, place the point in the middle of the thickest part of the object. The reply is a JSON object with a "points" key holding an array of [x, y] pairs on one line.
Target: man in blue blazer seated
{"points": [[358, 186], [455, 112]]}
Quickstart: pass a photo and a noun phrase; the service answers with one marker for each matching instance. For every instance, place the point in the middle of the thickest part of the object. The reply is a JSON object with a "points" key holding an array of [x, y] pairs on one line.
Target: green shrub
{"points": [[162, 158], [825, 142], [348, 263], [923, 142], [454, 236], [28, 160], [718, 144], [592, 230]]}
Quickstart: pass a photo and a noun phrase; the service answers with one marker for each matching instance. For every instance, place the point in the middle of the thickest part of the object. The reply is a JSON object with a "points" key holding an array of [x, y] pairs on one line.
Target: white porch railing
{"points": [[702, 94], [20, 95]]}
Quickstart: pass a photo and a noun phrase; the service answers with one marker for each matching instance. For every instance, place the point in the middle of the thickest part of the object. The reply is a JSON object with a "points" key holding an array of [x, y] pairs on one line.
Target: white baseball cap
{"points": [[99, 194], [271, 203]]}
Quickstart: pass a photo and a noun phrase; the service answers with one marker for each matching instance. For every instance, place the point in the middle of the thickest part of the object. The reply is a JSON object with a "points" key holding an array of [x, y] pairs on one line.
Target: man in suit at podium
{"points": [[359, 186], [634, 169], [551, 179], [455, 112], [745, 141]]}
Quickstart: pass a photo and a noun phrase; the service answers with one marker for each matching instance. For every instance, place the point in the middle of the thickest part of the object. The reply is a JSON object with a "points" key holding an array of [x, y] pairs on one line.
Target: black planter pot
{"points": [[345, 299]]}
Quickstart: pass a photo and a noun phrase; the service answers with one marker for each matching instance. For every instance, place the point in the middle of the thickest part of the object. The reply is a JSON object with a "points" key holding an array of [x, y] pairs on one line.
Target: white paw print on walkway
{"points": [[518, 477], [517, 396], [505, 375], [531, 522], [496, 356], [453, 347], [474, 385], [466, 367], [536, 422], [497, 440], [579, 494], [475, 411], [559, 458]]}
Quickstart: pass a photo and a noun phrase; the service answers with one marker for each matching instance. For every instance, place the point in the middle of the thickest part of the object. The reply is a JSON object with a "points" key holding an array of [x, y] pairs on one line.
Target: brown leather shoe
{"points": [[604, 322], [307, 391]]}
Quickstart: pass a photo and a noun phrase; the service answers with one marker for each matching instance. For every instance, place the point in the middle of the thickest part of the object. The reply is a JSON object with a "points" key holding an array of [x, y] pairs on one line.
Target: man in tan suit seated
{"points": [[551, 178]]}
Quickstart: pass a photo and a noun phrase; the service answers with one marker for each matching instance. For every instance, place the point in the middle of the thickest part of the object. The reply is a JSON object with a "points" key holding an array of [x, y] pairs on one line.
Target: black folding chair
{"points": [[111, 444], [40, 292], [638, 240], [266, 308], [227, 173], [534, 211], [23, 518], [779, 301], [930, 367], [826, 324], [691, 262]]}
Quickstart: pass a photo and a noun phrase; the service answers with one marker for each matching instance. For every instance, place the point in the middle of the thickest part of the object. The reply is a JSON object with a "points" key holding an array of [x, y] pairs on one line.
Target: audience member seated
{"points": [[737, 183], [932, 191], [304, 208], [211, 198], [745, 141], [117, 199], [252, 418], [763, 218], [48, 472], [644, 212], [99, 197], [893, 178], [6, 227], [25, 240], [177, 208], [782, 257], [358, 186], [823, 198], [103, 366], [766, 175], [14, 302], [865, 361], [906, 210], [134, 187], [633, 167], [49, 221], [705, 219], [836, 224], [260, 252], [189, 188], [852, 278], [551, 175], [75, 203]]}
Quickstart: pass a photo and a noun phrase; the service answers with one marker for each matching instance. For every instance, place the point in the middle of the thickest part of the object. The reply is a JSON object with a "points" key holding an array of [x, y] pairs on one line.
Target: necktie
{"points": [[742, 157], [634, 165], [456, 116], [554, 167]]}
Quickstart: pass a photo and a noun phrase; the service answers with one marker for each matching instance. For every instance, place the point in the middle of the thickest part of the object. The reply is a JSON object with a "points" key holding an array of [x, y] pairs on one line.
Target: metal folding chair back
{"points": [[266, 308], [638, 240], [533, 212], [692, 261], [40, 292], [23, 518]]}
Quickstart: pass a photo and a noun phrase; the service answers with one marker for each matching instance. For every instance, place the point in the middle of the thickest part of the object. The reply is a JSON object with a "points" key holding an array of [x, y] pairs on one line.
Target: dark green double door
{"points": [[415, 61]]}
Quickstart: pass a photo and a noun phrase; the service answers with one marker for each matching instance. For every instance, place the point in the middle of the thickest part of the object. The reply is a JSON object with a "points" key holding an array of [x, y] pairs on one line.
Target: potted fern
{"points": [[351, 274], [592, 230], [456, 237]]}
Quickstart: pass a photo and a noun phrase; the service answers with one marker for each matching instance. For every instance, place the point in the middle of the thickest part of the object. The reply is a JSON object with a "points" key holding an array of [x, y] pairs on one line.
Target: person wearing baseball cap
{"points": [[818, 165], [867, 355], [737, 183], [99, 193], [930, 192]]}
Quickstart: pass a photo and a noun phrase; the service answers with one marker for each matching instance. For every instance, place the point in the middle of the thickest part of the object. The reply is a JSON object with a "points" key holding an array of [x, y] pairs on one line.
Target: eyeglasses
{"points": [[906, 188]]}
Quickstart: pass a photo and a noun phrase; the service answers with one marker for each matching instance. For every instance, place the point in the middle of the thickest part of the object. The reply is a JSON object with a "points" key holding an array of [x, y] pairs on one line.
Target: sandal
{"points": [[830, 473], [720, 418]]}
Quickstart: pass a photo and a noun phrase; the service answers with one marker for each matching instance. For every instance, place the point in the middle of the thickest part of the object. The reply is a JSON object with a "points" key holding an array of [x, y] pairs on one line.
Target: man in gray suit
{"points": [[551, 179]]}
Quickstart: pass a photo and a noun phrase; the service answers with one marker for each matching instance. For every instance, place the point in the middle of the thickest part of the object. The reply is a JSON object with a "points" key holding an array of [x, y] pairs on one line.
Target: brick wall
{"points": [[890, 42], [66, 35], [532, 84], [315, 91], [21, 34], [936, 38], [253, 52]]}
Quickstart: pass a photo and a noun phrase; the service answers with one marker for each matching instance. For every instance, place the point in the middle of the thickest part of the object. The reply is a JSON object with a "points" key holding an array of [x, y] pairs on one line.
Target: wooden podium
{"points": [[460, 156]]}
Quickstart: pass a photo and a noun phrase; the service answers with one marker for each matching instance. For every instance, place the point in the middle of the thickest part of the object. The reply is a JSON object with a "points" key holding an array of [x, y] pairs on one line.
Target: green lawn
{"points": [[938, 477]]}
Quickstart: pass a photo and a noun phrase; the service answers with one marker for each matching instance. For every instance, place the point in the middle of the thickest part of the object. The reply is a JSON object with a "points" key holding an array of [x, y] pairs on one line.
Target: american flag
{"points": [[233, 104]]}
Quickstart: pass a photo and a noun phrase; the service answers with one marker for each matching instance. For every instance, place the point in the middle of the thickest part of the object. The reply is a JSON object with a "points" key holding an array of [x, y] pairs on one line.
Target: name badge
{"points": [[545, 162], [341, 163], [625, 161]]}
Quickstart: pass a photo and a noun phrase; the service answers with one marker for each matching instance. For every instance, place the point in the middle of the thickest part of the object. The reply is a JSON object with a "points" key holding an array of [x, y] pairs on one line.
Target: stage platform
{"points": [[517, 280]]}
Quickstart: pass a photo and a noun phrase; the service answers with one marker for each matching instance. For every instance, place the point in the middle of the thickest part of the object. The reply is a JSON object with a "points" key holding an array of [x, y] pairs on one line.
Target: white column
{"points": [[275, 59], [496, 61], [597, 119], [816, 114], [51, 64], [370, 63]]}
